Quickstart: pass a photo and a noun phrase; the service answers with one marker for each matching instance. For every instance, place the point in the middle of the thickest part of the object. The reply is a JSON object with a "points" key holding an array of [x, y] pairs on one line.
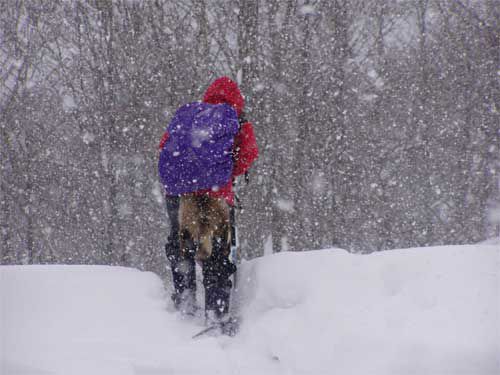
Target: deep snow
{"points": [[416, 311]]}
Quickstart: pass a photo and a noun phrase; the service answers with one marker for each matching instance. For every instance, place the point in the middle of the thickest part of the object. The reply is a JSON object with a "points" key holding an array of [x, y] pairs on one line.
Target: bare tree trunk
{"points": [[110, 144], [339, 168], [253, 215], [203, 32], [20, 47], [305, 231], [420, 153], [248, 20]]}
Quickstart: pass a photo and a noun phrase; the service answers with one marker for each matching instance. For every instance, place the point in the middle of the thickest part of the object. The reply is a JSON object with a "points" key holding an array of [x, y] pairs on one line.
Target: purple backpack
{"points": [[198, 152]]}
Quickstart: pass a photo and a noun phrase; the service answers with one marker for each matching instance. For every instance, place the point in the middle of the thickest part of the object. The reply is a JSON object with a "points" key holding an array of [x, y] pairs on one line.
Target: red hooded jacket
{"points": [[224, 90]]}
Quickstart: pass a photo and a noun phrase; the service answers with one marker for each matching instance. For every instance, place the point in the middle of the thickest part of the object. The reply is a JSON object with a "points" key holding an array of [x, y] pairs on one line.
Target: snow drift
{"points": [[416, 311]]}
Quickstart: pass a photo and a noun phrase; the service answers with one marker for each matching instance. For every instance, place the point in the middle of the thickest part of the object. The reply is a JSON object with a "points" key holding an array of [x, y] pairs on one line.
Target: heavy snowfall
{"points": [[369, 225]]}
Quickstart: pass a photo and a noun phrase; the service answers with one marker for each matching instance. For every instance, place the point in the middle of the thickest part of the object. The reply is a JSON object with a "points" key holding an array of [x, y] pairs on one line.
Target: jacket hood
{"points": [[225, 90]]}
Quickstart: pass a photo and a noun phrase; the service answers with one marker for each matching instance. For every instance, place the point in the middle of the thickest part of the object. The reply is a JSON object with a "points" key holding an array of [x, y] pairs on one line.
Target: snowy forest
{"points": [[378, 122]]}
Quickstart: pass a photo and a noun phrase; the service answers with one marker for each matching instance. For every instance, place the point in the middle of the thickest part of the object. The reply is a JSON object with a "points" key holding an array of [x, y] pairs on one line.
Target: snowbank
{"points": [[416, 311]]}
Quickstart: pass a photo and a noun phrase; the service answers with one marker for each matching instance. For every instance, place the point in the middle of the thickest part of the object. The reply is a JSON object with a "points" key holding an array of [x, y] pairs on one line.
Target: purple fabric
{"points": [[198, 152]]}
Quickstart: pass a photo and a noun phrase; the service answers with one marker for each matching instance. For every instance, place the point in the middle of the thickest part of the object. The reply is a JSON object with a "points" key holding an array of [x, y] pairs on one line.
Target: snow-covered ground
{"points": [[417, 311]]}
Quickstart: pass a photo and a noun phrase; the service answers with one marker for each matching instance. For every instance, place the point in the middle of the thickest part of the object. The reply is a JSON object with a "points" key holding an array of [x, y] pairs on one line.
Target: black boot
{"points": [[216, 273], [217, 297], [184, 279]]}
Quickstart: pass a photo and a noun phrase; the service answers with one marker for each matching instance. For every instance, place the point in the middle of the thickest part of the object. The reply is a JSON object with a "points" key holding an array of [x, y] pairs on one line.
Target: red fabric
{"points": [[224, 90], [245, 149], [163, 141]]}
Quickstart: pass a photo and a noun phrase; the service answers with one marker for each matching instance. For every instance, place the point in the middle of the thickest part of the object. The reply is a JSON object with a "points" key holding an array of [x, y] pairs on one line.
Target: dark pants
{"points": [[216, 271], [183, 269]]}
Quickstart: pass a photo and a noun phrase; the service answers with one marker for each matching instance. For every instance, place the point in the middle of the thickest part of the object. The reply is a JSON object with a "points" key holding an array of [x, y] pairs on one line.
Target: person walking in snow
{"points": [[244, 151]]}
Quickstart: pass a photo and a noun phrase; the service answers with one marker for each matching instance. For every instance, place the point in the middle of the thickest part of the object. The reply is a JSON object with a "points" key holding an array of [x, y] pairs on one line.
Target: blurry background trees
{"points": [[378, 122]]}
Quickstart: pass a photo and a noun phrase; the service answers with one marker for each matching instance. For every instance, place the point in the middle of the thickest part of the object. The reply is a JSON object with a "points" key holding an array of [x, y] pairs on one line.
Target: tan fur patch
{"points": [[203, 218]]}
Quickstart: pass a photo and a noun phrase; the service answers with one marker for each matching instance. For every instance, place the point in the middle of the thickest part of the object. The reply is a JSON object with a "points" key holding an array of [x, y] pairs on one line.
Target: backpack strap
{"points": [[242, 120]]}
